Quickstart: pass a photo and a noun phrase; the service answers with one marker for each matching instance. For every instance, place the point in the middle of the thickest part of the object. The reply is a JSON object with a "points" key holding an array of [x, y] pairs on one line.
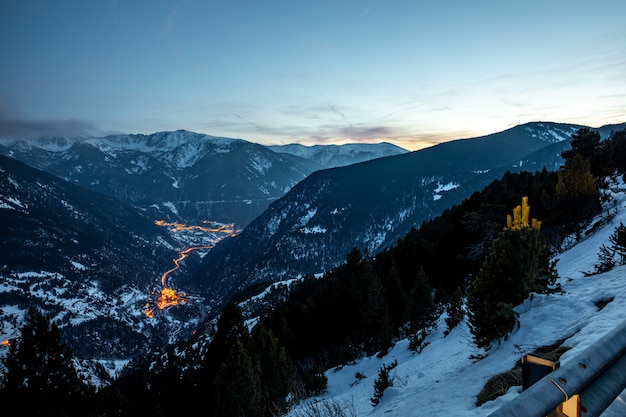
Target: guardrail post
{"points": [[602, 363]]}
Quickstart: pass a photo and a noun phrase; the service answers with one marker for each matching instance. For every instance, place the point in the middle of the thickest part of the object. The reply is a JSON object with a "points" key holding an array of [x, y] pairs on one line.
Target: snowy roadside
{"points": [[444, 380]]}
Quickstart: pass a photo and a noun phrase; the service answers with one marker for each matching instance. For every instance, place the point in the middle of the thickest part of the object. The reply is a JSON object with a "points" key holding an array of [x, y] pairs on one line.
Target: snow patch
{"points": [[171, 206], [308, 216], [14, 202], [78, 265], [447, 187], [557, 136], [261, 164], [13, 182], [313, 230], [272, 224], [442, 188]]}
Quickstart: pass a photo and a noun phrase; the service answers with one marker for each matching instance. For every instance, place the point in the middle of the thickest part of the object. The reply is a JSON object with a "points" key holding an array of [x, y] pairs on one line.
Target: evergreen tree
{"points": [[617, 141], [40, 378], [612, 255], [394, 293], [382, 382], [354, 258], [422, 310], [490, 317], [238, 390], [277, 370], [518, 264], [377, 323], [586, 144], [577, 193], [454, 310], [618, 243], [231, 329], [606, 261]]}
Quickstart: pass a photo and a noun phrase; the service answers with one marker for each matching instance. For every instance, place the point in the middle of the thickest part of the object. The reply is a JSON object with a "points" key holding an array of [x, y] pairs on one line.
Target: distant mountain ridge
{"points": [[171, 175], [180, 176], [372, 204], [332, 156]]}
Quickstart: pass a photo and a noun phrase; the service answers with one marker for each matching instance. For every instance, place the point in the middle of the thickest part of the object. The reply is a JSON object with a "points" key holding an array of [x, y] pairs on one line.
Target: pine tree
{"points": [[612, 255], [277, 370], [382, 382], [606, 261], [618, 243], [586, 144], [231, 329], [238, 391], [422, 311], [489, 315], [519, 263], [377, 323], [394, 293], [454, 310], [617, 141], [40, 378], [577, 190]]}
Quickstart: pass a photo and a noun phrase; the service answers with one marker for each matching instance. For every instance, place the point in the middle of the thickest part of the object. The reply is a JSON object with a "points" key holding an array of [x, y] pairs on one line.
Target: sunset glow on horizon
{"points": [[413, 73]]}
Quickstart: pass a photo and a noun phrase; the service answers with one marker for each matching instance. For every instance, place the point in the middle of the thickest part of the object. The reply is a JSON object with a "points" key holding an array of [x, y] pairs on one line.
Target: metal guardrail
{"points": [[597, 374]]}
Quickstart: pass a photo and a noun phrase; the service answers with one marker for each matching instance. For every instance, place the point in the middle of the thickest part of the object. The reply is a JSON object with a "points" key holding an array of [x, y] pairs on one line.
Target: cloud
{"points": [[342, 115], [321, 123], [24, 128], [15, 125], [255, 126], [171, 19], [365, 133], [173, 16], [373, 134], [368, 8]]}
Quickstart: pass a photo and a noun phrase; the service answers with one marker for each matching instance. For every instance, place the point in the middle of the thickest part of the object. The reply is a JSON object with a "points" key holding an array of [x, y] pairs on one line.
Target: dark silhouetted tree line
{"points": [[240, 373], [40, 379]]}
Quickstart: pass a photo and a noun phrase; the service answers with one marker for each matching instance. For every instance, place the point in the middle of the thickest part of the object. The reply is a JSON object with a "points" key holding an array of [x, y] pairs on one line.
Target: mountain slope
{"points": [[48, 222], [371, 204], [332, 156], [447, 366], [87, 260], [172, 175]]}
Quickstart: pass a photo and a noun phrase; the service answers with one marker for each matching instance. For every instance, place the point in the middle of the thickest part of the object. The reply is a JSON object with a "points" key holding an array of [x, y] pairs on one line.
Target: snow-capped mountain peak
{"points": [[551, 132], [330, 156]]}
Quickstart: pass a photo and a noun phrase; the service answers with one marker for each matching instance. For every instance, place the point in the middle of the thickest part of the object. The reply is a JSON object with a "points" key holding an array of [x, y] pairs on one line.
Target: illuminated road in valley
{"points": [[168, 297]]}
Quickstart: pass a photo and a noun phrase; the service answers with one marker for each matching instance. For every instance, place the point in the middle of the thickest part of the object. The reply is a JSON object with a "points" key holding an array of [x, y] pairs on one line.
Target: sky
{"points": [[410, 72]]}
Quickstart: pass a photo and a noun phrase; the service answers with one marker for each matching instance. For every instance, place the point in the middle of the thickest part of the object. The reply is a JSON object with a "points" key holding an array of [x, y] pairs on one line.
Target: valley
{"points": [[202, 238]]}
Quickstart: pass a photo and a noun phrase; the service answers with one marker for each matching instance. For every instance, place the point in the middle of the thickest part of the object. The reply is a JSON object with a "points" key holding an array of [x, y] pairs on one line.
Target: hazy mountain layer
{"points": [[332, 156]]}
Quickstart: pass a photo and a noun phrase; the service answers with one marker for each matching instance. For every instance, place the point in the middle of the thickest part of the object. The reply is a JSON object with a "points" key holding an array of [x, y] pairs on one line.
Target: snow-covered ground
{"points": [[443, 380]]}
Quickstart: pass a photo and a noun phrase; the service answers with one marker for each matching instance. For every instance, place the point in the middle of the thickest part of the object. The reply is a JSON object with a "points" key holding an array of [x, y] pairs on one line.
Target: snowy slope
{"points": [[444, 381], [330, 156]]}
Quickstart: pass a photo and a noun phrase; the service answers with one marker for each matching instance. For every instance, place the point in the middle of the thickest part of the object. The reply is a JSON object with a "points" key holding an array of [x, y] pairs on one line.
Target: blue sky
{"points": [[409, 72]]}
